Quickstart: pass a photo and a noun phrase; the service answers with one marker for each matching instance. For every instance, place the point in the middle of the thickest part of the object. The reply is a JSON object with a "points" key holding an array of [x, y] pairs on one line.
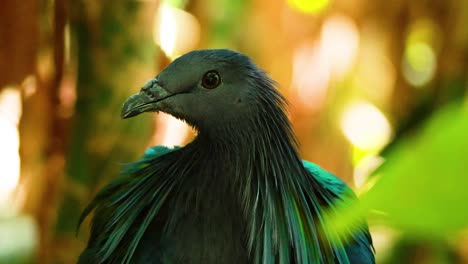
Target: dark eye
{"points": [[211, 80]]}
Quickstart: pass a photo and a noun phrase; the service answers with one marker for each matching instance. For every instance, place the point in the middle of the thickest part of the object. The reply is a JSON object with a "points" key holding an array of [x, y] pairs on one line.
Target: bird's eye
{"points": [[211, 80]]}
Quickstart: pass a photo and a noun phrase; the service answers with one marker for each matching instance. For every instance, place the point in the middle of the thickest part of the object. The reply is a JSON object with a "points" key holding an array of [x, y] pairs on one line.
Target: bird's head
{"points": [[206, 88]]}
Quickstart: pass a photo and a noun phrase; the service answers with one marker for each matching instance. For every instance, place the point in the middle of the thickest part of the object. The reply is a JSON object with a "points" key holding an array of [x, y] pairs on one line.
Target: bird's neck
{"points": [[261, 147], [259, 164]]}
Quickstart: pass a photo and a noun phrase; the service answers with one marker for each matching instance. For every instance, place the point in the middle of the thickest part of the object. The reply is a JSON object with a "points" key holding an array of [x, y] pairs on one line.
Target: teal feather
{"points": [[126, 200]]}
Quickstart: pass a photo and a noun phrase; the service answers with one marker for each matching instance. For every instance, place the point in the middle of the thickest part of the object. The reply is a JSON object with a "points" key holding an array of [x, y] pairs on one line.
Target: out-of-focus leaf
{"points": [[422, 186], [18, 239]]}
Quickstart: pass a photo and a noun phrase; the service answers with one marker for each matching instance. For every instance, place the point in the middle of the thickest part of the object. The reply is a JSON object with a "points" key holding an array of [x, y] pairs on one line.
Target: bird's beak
{"points": [[146, 100]]}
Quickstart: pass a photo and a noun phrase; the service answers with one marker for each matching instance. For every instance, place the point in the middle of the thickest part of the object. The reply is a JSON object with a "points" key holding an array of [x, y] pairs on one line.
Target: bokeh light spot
{"points": [[375, 74], [310, 75], [365, 126], [175, 30], [419, 63], [340, 43], [10, 113], [309, 6], [171, 131]]}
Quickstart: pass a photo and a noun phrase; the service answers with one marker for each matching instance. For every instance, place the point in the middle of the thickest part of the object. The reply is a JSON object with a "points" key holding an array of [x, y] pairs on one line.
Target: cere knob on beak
{"points": [[145, 101]]}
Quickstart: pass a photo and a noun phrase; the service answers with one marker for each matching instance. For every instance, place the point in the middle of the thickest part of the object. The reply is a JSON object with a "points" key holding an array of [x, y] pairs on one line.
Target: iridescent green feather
{"points": [[139, 194]]}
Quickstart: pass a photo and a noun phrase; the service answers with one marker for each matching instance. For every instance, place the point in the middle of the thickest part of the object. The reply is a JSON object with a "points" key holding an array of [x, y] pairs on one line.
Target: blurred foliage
{"points": [[421, 188], [22, 240], [414, 249]]}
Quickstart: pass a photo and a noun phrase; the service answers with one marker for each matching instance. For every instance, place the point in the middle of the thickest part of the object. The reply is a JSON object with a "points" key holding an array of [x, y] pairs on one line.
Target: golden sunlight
{"points": [[365, 126], [175, 30], [10, 113]]}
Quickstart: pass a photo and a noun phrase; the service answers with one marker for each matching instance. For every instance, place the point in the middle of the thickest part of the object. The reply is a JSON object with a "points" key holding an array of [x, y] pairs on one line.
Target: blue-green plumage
{"points": [[238, 193]]}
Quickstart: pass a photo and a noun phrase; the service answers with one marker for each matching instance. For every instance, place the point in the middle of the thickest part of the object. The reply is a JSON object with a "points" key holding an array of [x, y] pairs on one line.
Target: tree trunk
{"points": [[116, 57]]}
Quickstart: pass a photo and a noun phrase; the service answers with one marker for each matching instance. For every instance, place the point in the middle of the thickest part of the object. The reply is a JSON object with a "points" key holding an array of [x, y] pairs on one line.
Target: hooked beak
{"points": [[146, 100]]}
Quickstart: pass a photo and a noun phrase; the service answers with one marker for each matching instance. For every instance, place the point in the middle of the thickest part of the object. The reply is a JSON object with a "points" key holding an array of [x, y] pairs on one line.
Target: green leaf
{"points": [[422, 186]]}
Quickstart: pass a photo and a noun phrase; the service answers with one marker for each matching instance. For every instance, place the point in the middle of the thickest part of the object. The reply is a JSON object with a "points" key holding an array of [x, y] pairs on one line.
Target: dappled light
{"points": [[175, 30], [173, 132], [309, 6], [310, 75], [366, 126], [10, 113], [339, 43]]}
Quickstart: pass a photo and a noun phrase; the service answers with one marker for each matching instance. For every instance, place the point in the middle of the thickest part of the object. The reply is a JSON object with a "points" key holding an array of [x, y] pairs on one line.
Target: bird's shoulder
{"points": [[151, 154], [126, 202], [359, 249], [328, 180], [157, 151]]}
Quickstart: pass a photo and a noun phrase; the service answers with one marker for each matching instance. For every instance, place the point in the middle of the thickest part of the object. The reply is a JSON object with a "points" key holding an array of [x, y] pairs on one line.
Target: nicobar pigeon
{"points": [[238, 193]]}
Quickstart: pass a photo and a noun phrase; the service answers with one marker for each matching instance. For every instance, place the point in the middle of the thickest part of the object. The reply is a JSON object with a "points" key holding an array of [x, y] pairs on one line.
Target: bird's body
{"points": [[239, 193]]}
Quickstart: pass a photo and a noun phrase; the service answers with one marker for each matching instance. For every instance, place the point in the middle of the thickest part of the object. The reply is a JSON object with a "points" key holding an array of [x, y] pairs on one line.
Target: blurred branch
{"points": [[19, 35], [43, 127]]}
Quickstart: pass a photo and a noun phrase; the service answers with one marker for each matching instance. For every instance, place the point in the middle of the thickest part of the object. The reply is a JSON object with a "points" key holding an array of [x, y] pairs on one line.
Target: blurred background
{"points": [[378, 93]]}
